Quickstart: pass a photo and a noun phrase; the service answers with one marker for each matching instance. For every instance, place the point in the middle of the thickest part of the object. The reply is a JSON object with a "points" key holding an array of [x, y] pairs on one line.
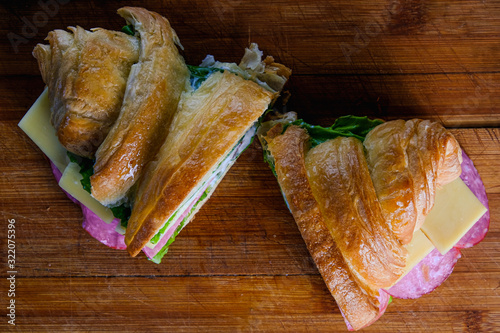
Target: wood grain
{"points": [[456, 100], [242, 265], [386, 36], [238, 303], [245, 228]]}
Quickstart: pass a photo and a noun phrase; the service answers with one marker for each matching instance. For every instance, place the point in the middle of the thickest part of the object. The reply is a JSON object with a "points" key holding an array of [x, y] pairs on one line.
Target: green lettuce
{"points": [[86, 169], [122, 211], [129, 30], [157, 258], [353, 126], [199, 74]]}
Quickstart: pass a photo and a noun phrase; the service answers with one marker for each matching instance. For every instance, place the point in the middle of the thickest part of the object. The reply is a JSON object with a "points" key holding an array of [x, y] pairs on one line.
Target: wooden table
{"points": [[241, 265]]}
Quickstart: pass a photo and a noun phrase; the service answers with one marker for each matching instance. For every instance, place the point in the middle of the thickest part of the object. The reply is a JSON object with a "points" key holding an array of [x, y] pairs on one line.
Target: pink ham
{"points": [[97, 228], [427, 275], [471, 178], [435, 268], [102, 231]]}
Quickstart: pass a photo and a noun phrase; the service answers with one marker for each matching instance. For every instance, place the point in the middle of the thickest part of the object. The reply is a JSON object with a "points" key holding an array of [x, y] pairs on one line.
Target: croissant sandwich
{"points": [[372, 201], [148, 137]]}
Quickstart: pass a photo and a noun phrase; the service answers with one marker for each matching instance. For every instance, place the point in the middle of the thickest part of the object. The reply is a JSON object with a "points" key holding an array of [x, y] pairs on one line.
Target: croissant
{"points": [[86, 74], [336, 193], [153, 91], [210, 121], [407, 162]]}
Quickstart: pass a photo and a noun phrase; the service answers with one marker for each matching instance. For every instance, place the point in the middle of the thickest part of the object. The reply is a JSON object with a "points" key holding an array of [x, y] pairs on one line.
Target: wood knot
{"points": [[407, 16], [473, 321]]}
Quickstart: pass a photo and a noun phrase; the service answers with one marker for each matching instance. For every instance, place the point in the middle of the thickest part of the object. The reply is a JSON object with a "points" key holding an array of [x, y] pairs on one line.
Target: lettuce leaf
{"points": [[129, 30], [86, 169], [199, 74], [122, 211], [354, 126], [157, 258]]}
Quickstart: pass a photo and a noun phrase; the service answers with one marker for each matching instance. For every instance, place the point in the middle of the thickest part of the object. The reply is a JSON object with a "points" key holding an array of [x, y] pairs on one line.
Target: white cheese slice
{"points": [[36, 124], [120, 229], [456, 209], [70, 182]]}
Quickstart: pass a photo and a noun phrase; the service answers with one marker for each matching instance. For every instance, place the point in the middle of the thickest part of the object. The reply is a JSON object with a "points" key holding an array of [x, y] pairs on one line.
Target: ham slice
{"points": [[97, 228], [435, 268], [427, 275], [471, 178]]}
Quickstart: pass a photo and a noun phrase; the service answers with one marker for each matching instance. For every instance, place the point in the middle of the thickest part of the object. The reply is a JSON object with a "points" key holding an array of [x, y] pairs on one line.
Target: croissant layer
{"points": [[359, 305], [408, 161], [86, 74], [210, 121], [341, 184], [153, 91]]}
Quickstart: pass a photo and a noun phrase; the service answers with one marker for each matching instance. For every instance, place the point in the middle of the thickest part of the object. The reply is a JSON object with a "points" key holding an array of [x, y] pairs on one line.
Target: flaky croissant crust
{"points": [[209, 123], [86, 74], [332, 193], [154, 88], [408, 161]]}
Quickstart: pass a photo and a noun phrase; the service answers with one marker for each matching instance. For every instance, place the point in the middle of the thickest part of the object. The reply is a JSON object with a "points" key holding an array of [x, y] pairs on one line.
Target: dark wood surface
{"points": [[241, 265]]}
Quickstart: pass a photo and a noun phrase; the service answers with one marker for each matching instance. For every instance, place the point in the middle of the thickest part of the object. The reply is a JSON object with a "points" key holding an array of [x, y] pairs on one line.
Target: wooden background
{"points": [[241, 265]]}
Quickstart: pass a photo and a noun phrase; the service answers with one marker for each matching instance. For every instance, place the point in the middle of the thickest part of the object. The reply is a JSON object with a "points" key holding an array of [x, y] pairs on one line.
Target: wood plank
{"points": [[239, 303], [318, 37], [244, 229], [456, 100], [242, 265]]}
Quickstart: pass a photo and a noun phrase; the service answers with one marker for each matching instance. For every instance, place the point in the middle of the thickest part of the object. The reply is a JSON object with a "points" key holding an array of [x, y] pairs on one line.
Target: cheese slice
{"points": [[36, 124], [456, 209], [419, 247], [70, 182]]}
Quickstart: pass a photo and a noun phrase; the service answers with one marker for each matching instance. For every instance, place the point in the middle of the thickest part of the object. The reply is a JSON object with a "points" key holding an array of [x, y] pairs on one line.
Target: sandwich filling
{"points": [[157, 247]]}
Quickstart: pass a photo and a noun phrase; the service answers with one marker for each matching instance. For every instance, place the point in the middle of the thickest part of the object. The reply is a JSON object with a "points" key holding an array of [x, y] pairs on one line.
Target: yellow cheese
{"points": [[455, 211], [419, 247], [70, 182], [119, 229], [36, 124]]}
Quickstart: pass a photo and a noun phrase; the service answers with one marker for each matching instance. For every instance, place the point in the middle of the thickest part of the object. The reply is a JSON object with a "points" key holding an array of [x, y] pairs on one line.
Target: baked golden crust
{"points": [[209, 122], [358, 304], [341, 184], [86, 74], [153, 91], [408, 160], [330, 190]]}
